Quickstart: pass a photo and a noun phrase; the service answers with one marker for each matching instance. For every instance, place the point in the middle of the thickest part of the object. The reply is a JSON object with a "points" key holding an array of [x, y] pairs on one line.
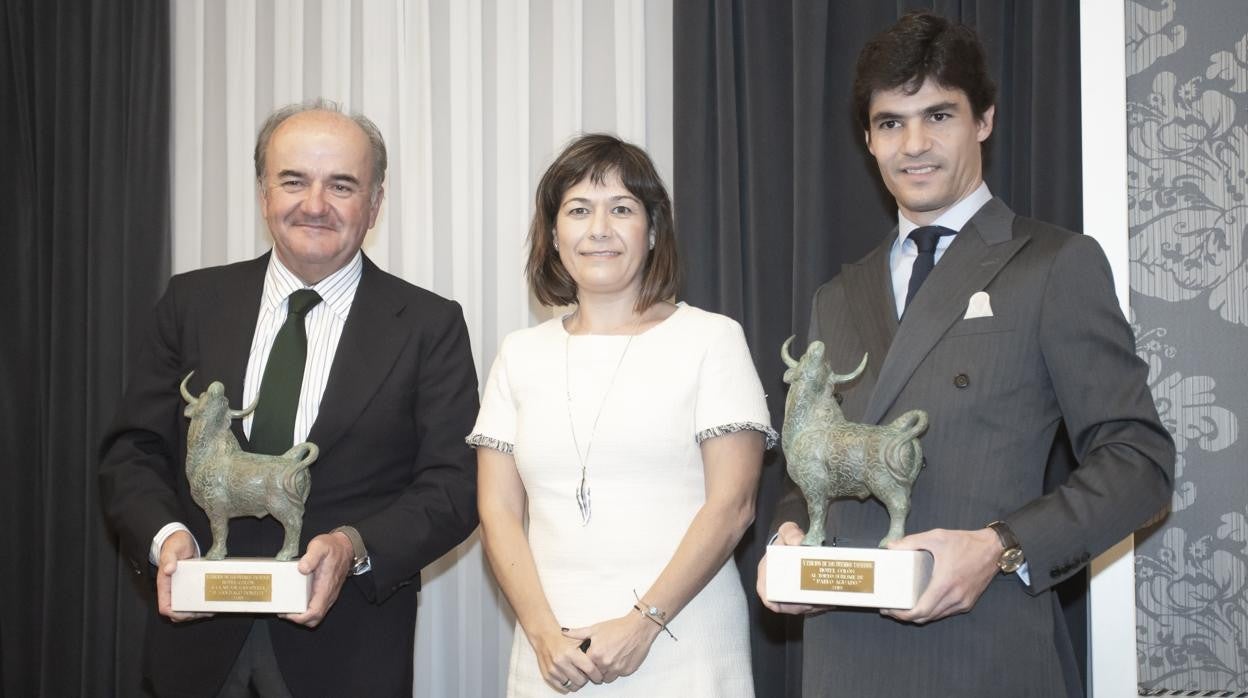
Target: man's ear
{"points": [[262, 198], [374, 206], [985, 124]]}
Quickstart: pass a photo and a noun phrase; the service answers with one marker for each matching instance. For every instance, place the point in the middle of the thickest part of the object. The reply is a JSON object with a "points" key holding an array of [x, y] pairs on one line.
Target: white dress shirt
{"points": [[904, 251], [324, 323]]}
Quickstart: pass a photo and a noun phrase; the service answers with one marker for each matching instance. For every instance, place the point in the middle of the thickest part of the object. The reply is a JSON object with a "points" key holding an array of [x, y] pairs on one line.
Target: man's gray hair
{"points": [[375, 142]]}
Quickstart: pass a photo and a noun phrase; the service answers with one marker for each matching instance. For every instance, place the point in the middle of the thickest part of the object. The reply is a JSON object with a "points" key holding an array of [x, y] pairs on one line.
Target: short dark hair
{"points": [[597, 156], [376, 144], [919, 47]]}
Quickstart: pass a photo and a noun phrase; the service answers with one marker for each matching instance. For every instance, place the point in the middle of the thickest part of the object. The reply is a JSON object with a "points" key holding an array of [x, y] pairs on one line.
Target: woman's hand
{"points": [[501, 501], [618, 646], [564, 666]]}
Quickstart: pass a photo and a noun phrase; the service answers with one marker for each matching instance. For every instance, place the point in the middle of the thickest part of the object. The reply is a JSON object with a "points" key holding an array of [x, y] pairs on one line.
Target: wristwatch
{"points": [[360, 562], [1011, 557]]}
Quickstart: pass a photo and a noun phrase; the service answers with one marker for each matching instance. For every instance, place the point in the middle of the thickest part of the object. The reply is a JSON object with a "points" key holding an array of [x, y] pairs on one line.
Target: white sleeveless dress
{"points": [[686, 379]]}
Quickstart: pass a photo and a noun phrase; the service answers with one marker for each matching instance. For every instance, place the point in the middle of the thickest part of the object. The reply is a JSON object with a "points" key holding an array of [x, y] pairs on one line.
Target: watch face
{"points": [[1010, 560], [361, 566]]}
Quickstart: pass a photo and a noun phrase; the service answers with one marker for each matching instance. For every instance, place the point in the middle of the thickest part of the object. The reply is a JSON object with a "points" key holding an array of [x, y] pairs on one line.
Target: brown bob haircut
{"points": [[597, 156], [922, 46]]}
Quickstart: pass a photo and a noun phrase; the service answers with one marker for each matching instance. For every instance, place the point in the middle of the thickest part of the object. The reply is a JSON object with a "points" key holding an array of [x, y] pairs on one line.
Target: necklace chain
{"points": [[582, 491]]}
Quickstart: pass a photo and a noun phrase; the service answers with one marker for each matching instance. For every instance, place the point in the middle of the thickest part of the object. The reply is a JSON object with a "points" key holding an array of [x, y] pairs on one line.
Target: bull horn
{"points": [[838, 379], [186, 395], [784, 353], [236, 414]]}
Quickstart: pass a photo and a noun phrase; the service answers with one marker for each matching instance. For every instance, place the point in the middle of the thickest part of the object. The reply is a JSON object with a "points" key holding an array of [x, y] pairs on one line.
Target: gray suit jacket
{"points": [[1055, 349]]}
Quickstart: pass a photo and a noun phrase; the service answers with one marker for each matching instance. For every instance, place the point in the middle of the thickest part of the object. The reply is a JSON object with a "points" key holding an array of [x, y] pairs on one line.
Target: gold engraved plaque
{"points": [[238, 587], [838, 575]]}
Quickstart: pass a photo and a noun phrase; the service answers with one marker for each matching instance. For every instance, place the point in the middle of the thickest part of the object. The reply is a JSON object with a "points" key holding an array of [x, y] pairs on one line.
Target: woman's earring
{"points": [[554, 238], [652, 240]]}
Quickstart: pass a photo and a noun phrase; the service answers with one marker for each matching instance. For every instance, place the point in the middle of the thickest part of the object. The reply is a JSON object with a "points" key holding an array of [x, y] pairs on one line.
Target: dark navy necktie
{"points": [[273, 427], [925, 238]]}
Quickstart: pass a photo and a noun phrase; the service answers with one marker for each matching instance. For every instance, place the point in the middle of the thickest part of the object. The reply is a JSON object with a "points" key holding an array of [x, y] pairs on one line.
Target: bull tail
{"points": [[903, 455], [295, 479]]}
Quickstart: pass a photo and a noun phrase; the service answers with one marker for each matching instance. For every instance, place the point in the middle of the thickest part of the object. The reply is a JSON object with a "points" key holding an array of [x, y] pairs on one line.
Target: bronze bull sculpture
{"points": [[227, 482], [829, 456]]}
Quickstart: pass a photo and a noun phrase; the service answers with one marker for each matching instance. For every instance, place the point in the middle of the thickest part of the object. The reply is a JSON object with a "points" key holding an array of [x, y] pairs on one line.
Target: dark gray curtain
{"points": [[775, 189], [84, 112]]}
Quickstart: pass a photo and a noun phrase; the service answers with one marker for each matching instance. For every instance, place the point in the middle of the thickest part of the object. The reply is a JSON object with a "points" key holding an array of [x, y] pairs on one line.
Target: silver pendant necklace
{"points": [[582, 491]]}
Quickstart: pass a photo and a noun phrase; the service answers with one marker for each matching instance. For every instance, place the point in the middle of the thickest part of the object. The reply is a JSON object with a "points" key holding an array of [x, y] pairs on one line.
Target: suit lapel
{"points": [[370, 343], [227, 334], [869, 292], [977, 254]]}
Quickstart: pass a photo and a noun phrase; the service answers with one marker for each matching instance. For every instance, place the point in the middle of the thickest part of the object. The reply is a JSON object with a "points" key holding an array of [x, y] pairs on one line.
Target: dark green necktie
{"points": [[273, 427]]}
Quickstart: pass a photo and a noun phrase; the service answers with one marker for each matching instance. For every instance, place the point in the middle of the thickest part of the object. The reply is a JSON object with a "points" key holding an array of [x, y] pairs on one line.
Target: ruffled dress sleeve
{"points": [[729, 395], [496, 422]]}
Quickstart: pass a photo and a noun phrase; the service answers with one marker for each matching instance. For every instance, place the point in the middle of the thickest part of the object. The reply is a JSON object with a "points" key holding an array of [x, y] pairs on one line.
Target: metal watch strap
{"points": [[360, 562]]}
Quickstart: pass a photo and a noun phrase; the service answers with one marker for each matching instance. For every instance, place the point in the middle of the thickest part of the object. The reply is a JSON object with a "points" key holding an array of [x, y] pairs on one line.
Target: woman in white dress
{"points": [[630, 435]]}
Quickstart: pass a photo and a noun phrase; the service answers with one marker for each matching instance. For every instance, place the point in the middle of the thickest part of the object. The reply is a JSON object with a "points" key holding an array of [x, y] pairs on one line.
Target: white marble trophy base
{"points": [[867, 577], [240, 585]]}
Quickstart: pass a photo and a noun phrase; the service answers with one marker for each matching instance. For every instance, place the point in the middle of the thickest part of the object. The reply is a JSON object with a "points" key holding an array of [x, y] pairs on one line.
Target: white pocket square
{"points": [[979, 306]]}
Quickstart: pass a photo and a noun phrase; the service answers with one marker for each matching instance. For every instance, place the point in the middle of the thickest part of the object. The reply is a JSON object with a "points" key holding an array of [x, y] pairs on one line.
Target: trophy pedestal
{"points": [[866, 577], [240, 585]]}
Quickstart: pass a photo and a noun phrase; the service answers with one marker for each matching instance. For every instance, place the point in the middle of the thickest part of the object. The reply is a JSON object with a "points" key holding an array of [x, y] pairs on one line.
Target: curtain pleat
{"points": [[85, 127]]}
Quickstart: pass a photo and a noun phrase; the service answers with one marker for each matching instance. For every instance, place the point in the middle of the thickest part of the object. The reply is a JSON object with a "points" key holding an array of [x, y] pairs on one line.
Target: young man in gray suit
{"points": [[1004, 329]]}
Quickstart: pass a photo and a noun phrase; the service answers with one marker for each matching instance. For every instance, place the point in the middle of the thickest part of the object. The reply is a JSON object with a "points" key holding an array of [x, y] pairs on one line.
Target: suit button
{"points": [[1055, 573], [961, 380]]}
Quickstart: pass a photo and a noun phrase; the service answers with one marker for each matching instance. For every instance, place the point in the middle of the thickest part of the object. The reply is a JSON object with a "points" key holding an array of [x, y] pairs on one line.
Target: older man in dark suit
{"points": [[382, 381], [1004, 329]]}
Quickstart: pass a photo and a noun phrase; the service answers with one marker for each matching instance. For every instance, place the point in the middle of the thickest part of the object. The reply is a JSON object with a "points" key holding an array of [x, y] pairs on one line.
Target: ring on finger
{"points": [[567, 683]]}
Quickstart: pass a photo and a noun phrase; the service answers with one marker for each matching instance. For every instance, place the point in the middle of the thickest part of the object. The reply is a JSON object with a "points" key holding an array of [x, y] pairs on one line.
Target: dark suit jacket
{"points": [[1056, 349], [402, 393]]}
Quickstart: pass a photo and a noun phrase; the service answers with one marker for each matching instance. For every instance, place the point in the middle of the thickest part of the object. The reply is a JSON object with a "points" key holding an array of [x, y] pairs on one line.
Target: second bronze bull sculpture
{"points": [[228, 482], [829, 456]]}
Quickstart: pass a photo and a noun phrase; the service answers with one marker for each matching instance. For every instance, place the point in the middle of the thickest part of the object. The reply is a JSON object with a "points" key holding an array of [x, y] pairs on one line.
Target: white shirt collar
{"points": [[337, 290], [954, 219]]}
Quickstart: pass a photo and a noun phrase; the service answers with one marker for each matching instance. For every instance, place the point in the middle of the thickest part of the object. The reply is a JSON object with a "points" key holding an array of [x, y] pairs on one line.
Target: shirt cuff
{"points": [[1024, 573], [158, 541]]}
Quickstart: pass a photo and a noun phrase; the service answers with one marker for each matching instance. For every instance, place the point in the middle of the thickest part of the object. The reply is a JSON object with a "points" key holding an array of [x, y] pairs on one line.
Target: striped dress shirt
{"points": [[904, 250], [324, 323]]}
